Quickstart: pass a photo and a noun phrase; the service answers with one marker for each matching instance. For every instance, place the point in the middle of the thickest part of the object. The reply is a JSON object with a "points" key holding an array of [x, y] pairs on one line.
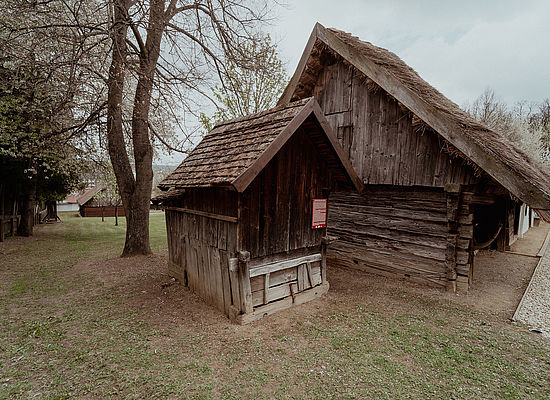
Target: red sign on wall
{"points": [[319, 214]]}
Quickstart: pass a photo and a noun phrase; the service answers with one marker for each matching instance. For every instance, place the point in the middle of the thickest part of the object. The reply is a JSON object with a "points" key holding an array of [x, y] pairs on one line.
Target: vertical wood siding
{"points": [[199, 247], [276, 207], [379, 137]]}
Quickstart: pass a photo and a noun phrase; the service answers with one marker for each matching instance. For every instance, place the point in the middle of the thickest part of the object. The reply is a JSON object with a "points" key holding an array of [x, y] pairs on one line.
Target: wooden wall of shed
{"points": [[212, 200], [401, 231], [276, 207], [379, 137], [199, 247], [98, 211]]}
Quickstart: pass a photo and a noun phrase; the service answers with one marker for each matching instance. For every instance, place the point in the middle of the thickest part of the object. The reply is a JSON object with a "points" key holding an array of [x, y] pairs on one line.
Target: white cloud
{"points": [[461, 48]]}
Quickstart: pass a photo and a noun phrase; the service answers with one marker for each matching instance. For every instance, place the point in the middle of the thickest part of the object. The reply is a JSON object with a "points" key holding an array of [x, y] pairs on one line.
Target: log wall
{"points": [[423, 234], [411, 222]]}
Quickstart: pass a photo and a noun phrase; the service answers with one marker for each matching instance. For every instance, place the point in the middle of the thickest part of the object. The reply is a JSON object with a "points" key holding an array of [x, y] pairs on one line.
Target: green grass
{"points": [[77, 321]]}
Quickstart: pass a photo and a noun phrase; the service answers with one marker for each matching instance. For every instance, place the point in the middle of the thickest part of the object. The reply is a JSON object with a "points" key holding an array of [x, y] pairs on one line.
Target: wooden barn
{"points": [[88, 204], [246, 211], [439, 185]]}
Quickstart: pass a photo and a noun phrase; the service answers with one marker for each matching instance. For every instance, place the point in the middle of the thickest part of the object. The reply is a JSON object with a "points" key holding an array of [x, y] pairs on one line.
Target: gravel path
{"points": [[534, 308]]}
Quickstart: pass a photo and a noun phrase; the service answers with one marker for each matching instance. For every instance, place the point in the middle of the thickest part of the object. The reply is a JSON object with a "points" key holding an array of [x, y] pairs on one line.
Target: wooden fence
{"points": [[8, 225]]}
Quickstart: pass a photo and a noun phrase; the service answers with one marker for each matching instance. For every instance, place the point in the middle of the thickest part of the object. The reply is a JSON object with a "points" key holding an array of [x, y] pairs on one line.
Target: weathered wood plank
{"points": [[257, 283], [283, 264], [244, 282], [216, 271], [276, 292], [301, 277], [266, 289], [203, 214], [283, 304], [234, 282], [226, 284], [372, 265]]}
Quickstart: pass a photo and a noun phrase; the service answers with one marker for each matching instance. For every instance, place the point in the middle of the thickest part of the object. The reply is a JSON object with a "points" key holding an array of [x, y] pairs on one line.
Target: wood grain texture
{"points": [[391, 230], [198, 250], [276, 207], [383, 145]]}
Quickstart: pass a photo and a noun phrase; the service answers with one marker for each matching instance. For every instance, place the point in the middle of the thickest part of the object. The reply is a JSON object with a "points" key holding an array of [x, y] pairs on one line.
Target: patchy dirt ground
{"points": [[78, 321], [532, 241], [500, 279], [499, 282]]}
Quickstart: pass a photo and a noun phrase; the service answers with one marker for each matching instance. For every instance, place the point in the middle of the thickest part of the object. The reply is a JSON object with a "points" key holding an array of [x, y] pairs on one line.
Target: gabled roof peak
{"points": [[519, 173], [236, 151]]}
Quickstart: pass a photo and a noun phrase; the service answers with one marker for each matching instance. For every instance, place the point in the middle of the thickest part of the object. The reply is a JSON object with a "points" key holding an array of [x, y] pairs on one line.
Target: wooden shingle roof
{"points": [[85, 195], [520, 174], [236, 151]]}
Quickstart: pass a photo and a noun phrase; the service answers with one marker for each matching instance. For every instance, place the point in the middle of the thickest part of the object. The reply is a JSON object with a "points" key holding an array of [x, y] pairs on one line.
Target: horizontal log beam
{"points": [[206, 214]]}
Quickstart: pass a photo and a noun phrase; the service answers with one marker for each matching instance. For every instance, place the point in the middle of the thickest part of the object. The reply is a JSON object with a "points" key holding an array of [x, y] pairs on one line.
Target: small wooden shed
{"points": [[246, 211]]}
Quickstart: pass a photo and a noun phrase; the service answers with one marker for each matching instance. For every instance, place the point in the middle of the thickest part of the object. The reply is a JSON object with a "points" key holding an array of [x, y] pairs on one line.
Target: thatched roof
{"points": [[236, 151], [524, 177]]}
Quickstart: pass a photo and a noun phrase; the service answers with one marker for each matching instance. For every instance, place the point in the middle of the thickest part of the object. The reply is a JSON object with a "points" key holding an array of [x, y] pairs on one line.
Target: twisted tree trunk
{"points": [[134, 191]]}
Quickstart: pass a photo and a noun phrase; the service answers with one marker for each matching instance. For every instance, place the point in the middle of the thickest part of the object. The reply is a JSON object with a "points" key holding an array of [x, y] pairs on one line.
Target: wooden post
{"points": [[234, 283], [504, 235], [324, 243], [13, 220], [244, 282], [453, 205], [266, 288]]}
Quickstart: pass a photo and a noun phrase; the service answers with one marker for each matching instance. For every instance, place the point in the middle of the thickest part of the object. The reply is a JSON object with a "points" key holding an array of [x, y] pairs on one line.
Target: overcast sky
{"points": [[460, 47]]}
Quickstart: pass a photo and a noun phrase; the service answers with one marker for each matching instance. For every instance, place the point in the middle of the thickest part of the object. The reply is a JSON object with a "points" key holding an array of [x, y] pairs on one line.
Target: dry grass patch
{"points": [[77, 321]]}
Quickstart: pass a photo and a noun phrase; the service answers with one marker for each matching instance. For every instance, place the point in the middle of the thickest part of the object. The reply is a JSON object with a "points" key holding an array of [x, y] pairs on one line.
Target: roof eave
{"points": [[311, 107], [247, 176]]}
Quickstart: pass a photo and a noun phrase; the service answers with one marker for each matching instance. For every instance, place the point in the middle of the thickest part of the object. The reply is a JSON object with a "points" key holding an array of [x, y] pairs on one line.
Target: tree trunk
{"points": [[135, 242], [2, 212], [51, 214], [135, 192], [27, 212]]}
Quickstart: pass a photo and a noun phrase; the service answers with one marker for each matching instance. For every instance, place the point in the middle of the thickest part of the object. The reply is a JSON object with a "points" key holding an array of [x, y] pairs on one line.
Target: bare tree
{"points": [[249, 88], [198, 36], [526, 124], [157, 60], [51, 90]]}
